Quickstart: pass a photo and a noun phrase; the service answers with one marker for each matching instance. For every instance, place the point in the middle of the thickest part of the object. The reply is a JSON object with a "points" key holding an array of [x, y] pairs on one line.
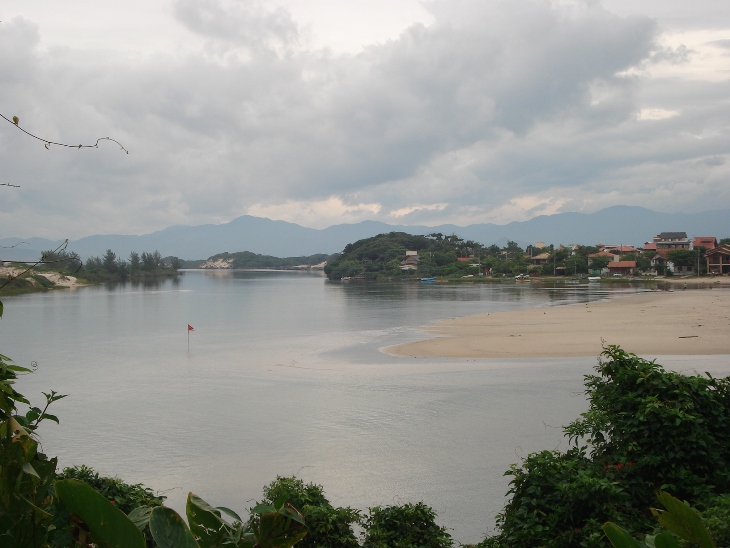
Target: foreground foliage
{"points": [[405, 526], [678, 520], [328, 527], [646, 430]]}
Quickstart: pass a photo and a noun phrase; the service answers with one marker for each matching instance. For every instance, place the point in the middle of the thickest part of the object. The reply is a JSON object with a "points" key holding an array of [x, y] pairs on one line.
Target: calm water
{"points": [[284, 376]]}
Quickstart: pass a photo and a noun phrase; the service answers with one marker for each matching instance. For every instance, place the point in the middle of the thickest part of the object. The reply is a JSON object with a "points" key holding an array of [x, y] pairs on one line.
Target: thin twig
{"points": [[48, 143], [12, 246]]}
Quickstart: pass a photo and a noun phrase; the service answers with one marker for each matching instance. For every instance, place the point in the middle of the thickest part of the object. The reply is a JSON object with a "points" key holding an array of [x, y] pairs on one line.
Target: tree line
{"points": [[139, 265]]}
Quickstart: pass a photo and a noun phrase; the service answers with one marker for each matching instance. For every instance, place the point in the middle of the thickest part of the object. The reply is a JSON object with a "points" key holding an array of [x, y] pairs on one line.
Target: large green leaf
{"points": [[682, 520], [140, 516], [108, 525], [206, 523], [279, 530], [665, 540], [169, 530], [618, 537]]}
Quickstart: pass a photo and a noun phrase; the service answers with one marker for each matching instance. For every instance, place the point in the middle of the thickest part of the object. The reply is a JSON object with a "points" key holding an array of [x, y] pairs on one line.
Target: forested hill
{"points": [[384, 255], [247, 259]]}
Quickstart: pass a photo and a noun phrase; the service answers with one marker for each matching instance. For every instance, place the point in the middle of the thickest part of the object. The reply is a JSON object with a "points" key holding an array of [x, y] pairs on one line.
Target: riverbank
{"points": [[36, 281], [655, 323]]}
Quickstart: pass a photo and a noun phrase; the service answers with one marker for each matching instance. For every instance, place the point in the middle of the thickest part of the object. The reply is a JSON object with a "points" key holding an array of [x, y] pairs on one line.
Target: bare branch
{"points": [[8, 184], [12, 246], [48, 143]]}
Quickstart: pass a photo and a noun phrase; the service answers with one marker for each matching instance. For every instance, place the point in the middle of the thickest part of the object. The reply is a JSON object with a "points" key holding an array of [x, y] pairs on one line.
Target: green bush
{"points": [[674, 428], [716, 515], [125, 496], [646, 430], [406, 526], [560, 499], [327, 526]]}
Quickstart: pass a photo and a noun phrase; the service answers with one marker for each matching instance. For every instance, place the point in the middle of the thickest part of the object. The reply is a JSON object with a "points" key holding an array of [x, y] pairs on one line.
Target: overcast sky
{"points": [[322, 112]]}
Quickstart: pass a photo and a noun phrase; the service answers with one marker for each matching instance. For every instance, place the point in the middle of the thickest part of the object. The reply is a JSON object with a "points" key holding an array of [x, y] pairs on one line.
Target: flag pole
{"points": [[188, 330]]}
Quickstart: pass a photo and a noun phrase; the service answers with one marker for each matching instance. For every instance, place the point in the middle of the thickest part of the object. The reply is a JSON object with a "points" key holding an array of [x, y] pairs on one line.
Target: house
{"points": [[649, 246], [541, 259], [667, 241], [410, 262], [708, 242], [718, 260], [611, 256], [620, 249], [622, 268], [658, 259]]}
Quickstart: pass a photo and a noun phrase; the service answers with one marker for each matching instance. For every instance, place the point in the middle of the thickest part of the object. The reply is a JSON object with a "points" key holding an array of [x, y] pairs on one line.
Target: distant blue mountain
{"points": [[616, 225]]}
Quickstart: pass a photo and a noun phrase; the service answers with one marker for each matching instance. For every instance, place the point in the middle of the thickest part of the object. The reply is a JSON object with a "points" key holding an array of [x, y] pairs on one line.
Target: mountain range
{"points": [[616, 225]]}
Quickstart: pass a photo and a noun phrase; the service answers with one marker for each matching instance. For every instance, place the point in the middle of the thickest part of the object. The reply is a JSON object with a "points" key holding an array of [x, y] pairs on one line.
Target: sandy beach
{"points": [[650, 324], [54, 277]]}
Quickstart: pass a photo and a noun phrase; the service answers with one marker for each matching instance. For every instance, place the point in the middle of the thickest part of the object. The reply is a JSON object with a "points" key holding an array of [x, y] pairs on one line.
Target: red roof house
{"points": [[624, 268], [708, 242]]}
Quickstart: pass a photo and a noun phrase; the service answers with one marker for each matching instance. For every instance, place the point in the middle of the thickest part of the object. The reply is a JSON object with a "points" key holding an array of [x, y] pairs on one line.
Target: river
{"points": [[283, 375]]}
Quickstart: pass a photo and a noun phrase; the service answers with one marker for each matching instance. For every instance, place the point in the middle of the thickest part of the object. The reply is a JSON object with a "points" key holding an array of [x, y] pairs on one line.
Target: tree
{"points": [[109, 261], [148, 262], [682, 257], [599, 263], [134, 262]]}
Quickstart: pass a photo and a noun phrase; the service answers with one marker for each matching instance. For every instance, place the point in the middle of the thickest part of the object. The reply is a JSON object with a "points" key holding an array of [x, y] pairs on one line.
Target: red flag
{"points": [[190, 328]]}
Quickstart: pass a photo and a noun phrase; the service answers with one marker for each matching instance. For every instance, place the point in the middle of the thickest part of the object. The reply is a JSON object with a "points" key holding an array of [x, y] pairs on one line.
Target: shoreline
{"points": [[653, 323]]}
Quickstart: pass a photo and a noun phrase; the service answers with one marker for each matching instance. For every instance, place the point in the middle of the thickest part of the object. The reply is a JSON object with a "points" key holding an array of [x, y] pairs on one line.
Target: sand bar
{"points": [[56, 278], [650, 324]]}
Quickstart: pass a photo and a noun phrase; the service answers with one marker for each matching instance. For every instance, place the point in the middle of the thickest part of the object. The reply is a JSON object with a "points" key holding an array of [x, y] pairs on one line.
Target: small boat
{"points": [[594, 278], [431, 279]]}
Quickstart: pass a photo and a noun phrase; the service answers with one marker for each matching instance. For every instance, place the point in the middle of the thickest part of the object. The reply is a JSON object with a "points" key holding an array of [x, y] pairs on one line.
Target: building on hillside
{"points": [[410, 262], [718, 260], [541, 259], [708, 242], [620, 249], [622, 268], [667, 241], [649, 246]]}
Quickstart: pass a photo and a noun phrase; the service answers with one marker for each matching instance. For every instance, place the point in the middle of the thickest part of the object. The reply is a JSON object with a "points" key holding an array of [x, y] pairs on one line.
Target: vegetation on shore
{"points": [[450, 257], [381, 257], [144, 266]]}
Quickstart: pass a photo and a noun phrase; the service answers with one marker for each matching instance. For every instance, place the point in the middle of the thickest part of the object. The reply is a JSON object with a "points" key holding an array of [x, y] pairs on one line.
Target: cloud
{"points": [[229, 23], [495, 109]]}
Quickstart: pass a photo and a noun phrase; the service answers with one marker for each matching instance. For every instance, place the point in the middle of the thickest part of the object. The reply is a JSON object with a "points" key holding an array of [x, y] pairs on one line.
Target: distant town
{"points": [[435, 255]]}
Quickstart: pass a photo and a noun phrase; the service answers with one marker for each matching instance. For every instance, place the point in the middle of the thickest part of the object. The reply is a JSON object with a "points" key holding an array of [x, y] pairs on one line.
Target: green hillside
{"points": [[384, 256], [247, 259]]}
